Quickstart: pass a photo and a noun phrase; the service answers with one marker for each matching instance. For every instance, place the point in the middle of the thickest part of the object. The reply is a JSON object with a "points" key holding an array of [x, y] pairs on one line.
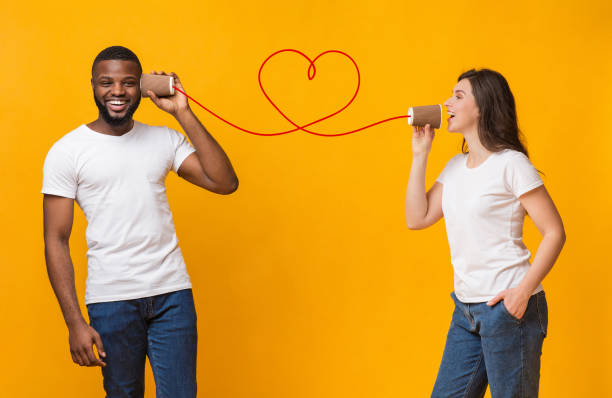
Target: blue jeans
{"points": [[487, 345], [161, 327]]}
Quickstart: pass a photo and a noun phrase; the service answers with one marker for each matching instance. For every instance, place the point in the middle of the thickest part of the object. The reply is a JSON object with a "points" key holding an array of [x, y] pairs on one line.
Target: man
{"points": [[138, 292]]}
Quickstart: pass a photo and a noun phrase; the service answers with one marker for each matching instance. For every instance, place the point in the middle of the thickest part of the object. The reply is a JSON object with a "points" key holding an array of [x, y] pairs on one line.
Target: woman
{"points": [[500, 317]]}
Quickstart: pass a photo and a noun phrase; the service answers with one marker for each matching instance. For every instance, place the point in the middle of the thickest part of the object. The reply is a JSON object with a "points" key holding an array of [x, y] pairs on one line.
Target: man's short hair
{"points": [[116, 52]]}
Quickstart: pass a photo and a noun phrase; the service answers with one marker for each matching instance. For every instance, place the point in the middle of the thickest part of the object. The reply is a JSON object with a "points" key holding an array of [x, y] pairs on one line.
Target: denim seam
{"points": [[523, 367], [159, 392], [467, 389], [540, 316], [153, 361]]}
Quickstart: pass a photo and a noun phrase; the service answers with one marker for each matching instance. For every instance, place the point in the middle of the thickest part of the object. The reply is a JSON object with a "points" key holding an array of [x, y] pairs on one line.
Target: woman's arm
{"points": [[422, 209], [545, 216]]}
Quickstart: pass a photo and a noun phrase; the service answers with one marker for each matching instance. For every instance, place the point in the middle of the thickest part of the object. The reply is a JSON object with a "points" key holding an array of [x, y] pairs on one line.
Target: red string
{"points": [[311, 74]]}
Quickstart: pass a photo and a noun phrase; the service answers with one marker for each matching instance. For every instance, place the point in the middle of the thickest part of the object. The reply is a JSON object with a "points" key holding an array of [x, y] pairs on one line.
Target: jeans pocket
{"points": [[502, 304]]}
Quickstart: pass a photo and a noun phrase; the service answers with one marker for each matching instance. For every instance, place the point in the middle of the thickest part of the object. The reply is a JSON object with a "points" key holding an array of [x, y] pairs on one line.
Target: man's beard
{"points": [[116, 121]]}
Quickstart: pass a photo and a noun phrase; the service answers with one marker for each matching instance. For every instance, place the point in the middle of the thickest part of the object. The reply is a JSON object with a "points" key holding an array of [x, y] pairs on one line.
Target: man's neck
{"points": [[101, 126]]}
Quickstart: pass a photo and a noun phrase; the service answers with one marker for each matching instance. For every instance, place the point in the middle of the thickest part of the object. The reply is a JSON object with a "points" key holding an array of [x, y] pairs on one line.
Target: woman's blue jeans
{"points": [[161, 327], [487, 345]]}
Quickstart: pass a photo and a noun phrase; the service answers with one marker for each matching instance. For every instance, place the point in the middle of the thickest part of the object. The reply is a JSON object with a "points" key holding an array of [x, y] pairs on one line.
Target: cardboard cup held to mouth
{"points": [[428, 114], [161, 85]]}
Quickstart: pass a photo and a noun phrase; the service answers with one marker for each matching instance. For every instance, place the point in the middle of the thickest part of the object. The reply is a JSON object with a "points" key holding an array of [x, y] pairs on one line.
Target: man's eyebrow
{"points": [[123, 78]]}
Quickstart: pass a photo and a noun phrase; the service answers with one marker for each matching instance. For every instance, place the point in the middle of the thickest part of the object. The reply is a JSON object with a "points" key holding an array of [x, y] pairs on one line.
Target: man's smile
{"points": [[117, 105]]}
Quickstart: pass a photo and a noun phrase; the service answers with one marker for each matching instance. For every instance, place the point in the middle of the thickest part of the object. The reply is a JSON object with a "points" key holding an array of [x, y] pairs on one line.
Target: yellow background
{"points": [[307, 282]]}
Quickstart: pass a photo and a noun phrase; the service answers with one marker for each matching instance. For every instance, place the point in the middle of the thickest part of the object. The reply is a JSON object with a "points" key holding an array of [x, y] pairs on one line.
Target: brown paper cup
{"points": [[161, 85], [428, 114]]}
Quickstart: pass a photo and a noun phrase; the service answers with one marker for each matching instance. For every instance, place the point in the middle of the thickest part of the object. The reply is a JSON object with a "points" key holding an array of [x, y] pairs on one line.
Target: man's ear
{"points": [[92, 83]]}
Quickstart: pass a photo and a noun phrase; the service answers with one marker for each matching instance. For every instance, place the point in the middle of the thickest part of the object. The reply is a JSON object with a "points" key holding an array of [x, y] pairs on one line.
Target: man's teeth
{"points": [[117, 102]]}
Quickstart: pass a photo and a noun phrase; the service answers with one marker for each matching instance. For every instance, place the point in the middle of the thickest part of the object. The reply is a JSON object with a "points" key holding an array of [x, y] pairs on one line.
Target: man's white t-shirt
{"points": [[118, 181], [484, 222]]}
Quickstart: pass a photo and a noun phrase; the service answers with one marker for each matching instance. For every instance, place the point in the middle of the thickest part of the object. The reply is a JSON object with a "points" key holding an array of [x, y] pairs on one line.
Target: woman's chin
{"points": [[453, 128]]}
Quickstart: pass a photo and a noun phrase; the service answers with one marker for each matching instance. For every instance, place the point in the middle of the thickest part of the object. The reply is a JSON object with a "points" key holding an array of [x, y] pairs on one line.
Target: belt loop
{"points": [[149, 307]]}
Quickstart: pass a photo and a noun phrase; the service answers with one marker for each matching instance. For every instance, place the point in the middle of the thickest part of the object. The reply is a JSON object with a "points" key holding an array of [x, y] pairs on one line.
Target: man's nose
{"points": [[117, 89]]}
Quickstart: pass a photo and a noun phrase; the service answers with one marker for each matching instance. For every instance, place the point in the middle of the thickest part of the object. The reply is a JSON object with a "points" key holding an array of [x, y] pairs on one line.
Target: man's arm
{"points": [[209, 167], [58, 216]]}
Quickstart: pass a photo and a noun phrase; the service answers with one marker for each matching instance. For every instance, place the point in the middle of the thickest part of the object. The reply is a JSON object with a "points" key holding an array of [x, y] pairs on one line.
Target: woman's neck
{"points": [[477, 152]]}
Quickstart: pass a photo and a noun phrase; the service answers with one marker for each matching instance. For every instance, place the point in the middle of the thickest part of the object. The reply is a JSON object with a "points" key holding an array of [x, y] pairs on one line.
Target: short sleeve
{"points": [[182, 148], [59, 174], [450, 165], [520, 175], [442, 177]]}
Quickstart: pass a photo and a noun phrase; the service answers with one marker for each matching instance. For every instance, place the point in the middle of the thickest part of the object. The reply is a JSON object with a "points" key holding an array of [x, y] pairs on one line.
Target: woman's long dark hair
{"points": [[497, 125]]}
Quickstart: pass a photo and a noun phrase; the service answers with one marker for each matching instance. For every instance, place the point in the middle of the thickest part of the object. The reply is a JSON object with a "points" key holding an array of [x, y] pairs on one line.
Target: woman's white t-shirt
{"points": [[484, 222]]}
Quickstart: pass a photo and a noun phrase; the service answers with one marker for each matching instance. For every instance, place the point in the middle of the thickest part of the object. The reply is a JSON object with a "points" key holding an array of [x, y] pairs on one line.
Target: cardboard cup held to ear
{"points": [[428, 114], [161, 85]]}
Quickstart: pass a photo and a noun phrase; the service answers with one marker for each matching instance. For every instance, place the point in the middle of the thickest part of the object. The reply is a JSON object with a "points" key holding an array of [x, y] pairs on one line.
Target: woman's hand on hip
{"points": [[515, 300]]}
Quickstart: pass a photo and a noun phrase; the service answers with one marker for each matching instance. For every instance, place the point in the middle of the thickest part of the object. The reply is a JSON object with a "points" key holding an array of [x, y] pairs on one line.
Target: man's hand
{"points": [[515, 301], [82, 338], [174, 104]]}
